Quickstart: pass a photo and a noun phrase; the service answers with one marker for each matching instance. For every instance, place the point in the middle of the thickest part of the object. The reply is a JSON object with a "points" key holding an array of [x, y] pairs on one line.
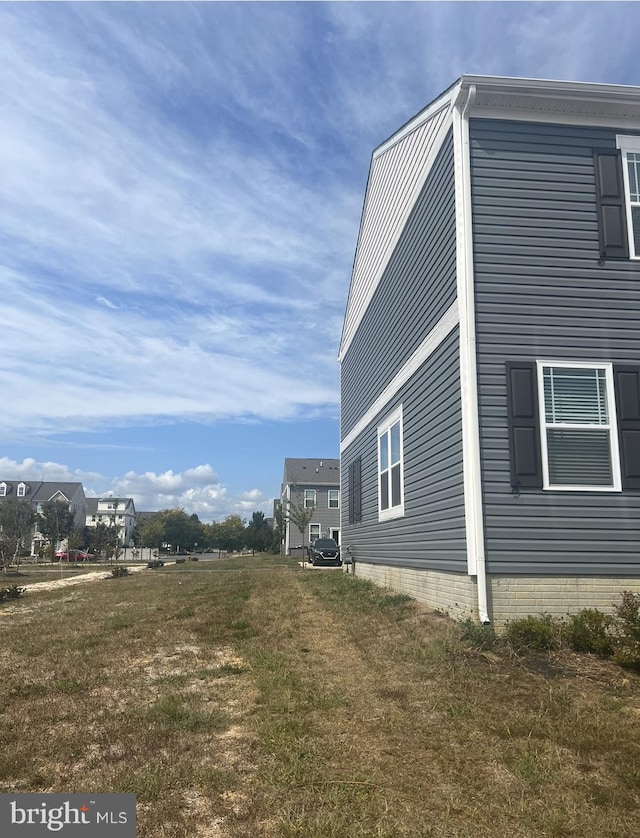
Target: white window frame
{"points": [[312, 493], [612, 427], [22, 490], [337, 498], [627, 143], [384, 428], [3, 490], [311, 536]]}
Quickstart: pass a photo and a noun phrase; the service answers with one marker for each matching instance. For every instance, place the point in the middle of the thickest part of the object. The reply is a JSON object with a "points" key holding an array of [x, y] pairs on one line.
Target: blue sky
{"points": [[180, 194]]}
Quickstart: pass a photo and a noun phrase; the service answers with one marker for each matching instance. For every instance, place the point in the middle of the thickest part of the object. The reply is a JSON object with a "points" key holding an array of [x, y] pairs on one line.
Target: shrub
{"points": [[118, 572], [479, 636], [12, 592], [627, 641], [590, 631], [534, 633]]}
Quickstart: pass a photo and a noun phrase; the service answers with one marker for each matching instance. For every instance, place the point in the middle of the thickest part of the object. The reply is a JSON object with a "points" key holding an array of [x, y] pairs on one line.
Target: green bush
{"points": [[627, 640], [531, 632], [590, 631], [478, 636]]}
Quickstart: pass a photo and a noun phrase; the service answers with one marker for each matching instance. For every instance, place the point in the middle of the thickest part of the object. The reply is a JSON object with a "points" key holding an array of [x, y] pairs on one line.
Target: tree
{"points": [[279, 528], [103, 540], [55, 522], [150, 532], [180, 529], [233, 533], [300, 516], [16, 527], [257, 533]]}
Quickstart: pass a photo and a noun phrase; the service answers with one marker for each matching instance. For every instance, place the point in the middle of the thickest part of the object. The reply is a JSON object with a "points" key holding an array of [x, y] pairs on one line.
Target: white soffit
{"points": [[398, 171], [560, 101]]}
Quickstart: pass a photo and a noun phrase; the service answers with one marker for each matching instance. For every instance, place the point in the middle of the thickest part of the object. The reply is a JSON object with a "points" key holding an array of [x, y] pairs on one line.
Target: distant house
{"points": [[116, 512], [490, 354], [312, 484], [36, 492]]}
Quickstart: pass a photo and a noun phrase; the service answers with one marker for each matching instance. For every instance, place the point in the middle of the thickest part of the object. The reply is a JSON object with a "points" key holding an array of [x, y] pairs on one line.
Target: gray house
{"points": [[309, 483], [37, 492], [490, 355]]}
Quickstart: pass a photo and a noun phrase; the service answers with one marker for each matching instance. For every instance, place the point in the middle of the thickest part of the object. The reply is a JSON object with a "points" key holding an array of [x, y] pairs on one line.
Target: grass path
{"points": [[243, 699]]}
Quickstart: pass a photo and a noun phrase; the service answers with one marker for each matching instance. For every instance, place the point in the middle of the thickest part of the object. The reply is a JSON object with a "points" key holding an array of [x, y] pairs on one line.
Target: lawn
{"points": [[249, 698]]}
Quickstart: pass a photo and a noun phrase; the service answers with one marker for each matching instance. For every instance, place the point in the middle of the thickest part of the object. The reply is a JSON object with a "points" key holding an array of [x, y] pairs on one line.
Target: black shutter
{"points": [[627, 386], [610, 202], [355, 492], [524, 434]]}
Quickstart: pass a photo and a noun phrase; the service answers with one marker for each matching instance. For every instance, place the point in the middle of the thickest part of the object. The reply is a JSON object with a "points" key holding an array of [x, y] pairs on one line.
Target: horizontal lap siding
{"points": [[417, 287], [540, 293], [431, 533]]}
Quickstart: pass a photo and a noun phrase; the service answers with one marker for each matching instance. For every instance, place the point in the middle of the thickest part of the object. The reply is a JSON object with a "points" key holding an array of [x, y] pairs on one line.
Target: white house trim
{"points": [[443, 327], [627, 122], [474, 526], [363, 287], [626, 143]]}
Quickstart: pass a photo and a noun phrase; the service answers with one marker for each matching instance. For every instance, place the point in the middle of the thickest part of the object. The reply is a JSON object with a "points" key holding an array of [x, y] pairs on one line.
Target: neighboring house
{"points": [[113, 512], [312, 483], [490, 355], [36, 492]]}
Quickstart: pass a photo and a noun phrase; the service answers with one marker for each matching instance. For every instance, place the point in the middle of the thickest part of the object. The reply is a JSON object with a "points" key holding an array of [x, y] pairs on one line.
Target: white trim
{"points": [[314, 501], [416, 122], [436, 336], [329, 499], [558, 118], [319, 526], [351, 329], [473, 506], [591, 91], [394, 418], [626, 143], [612, 427]]}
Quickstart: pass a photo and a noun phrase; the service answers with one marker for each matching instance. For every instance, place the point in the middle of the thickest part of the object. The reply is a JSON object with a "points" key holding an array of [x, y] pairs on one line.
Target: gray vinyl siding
{"points": [[541, 294], [432, 533], [327, 518], [417, 287]]}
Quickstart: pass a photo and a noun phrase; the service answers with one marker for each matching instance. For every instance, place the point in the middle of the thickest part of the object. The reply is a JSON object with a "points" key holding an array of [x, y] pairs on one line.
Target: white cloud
{"points": [[197, 490]]}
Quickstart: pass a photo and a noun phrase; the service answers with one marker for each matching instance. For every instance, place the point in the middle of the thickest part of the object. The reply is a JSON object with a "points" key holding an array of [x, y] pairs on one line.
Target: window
{"points": [[334, 498], [355, 491], [3, 490], [390, 488], [564, 430], [22, 490], [314, 532], [577, 416], [309, 498], [630, 149]]}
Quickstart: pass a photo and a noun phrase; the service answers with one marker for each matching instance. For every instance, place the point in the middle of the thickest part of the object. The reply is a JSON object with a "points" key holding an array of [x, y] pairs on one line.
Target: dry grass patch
{"points": [[243, 698]]}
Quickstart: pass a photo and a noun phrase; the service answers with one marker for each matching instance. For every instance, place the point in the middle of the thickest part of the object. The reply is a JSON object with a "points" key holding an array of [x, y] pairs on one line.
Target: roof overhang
{"points": [[561, 101]]}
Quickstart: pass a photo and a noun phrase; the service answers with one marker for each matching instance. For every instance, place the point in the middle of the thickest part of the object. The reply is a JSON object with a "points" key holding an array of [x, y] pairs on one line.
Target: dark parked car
{"points": [[324, 551]]}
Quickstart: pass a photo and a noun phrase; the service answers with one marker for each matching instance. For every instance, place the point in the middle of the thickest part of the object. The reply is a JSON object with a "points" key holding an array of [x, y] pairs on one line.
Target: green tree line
{"points": [[186, 532], [172, 527]]}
